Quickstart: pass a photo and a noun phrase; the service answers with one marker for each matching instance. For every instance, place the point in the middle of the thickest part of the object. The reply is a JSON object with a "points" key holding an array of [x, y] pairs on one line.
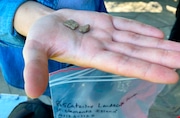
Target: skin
{"points": [[114, 44]]}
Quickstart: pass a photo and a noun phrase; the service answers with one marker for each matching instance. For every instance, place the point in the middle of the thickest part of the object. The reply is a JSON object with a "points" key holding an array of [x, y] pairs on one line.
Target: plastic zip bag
{"points": [[89, 93]]}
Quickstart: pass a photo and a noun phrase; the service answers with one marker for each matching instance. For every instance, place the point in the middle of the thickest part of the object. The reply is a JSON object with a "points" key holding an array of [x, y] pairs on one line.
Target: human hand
{"points": [[117, 45]]}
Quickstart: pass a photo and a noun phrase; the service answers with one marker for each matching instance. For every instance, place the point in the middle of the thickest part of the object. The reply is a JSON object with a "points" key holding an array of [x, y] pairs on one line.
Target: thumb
{"points": [[36, 68]]}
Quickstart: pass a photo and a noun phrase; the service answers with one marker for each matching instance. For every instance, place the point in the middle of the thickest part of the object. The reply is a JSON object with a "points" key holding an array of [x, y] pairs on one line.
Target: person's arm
{"points": [[8, 35], [27, 14], [113, 44]]}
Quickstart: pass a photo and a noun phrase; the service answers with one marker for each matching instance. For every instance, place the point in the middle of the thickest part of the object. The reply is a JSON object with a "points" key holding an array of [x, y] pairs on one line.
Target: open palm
{"points": [[113, 44]]}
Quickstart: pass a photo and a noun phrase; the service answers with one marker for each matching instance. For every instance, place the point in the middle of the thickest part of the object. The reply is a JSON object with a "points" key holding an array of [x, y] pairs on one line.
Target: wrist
{"points": [[27, 14]]}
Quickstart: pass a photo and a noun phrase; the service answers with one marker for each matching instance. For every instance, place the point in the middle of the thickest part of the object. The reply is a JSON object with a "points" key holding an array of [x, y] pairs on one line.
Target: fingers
{"points": [[136, 27], [36, 69], [132, 67], [154, 55], [151, 49], [134, 38], [145, 41]]}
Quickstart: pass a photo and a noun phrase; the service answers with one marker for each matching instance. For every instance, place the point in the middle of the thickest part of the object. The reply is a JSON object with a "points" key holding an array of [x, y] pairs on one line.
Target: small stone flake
{"points": [[71, 24], [84, 29]]}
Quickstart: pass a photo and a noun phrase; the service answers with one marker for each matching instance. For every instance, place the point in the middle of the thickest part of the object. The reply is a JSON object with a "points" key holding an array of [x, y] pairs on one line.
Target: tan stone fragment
{"points": [[84, 29], [71, 24]]}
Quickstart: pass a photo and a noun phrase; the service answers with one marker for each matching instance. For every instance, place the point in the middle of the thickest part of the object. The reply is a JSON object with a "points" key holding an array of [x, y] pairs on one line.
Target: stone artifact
{"points": [[74, 25], [71, 24], [84, 29]]}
